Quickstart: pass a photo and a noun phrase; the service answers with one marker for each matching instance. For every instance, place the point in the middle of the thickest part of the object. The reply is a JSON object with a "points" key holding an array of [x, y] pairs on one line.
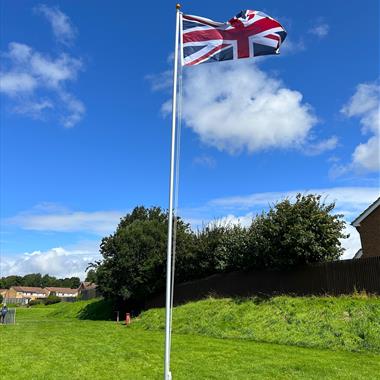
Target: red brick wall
{"points": [[370, 234]]}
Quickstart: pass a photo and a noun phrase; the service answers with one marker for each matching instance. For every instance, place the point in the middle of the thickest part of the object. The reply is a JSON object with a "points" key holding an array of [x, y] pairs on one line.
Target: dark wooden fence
{"points": [[335, 278], [87, 294]]}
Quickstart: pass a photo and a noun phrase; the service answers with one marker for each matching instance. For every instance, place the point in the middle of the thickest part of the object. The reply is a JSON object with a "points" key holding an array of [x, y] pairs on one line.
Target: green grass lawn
{"points": [[51, 343], [349, 323]]}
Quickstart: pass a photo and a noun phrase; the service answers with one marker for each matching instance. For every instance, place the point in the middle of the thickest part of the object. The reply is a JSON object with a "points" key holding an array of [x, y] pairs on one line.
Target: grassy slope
{"points": [[93, 309], [349, 323], [52, 343]]}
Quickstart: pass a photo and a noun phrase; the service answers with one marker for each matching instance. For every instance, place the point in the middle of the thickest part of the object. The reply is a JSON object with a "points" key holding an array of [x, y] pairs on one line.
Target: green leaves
{"points": [[134, 261], [289, 234], [297, 233]]}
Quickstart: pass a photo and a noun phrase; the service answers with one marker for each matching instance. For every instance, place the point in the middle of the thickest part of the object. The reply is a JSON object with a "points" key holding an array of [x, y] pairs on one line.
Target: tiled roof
{"points": [[30, 289], [88, 285], [62, 290], [373, 206]]}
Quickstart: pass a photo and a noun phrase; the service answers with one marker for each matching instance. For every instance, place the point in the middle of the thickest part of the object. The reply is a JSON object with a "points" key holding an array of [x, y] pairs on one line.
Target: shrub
{"points": [[298, 233], [220, 247], [51, 299], [34, 302]]}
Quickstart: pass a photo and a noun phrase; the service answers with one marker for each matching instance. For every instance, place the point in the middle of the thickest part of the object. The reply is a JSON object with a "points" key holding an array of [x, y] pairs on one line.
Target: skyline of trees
{"points": [[290, 234], [38, 280]]}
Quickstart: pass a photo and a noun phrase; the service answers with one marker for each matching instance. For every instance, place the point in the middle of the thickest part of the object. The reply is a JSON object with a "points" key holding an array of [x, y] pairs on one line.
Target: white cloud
{"points": [[59, 262], [291, 46], [348, 199], [14, 83], [205, 160], [321, 29], [37, 82], [62, 220], [161, 81], [30, 68], [364, 104], [250, 111], [53, 72], [75, 110], [319, 147], [367, 155], [231, 219], [34, 109], [351, 244], [30, 73], [63, 29]]}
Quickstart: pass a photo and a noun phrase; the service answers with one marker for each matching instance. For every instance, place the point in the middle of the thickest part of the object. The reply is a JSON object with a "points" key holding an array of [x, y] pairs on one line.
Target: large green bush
{"points": [[220, 247], [292, 234], [134, 257]]}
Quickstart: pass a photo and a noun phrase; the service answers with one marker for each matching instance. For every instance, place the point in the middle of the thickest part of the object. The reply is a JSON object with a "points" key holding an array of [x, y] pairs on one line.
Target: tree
{"points": [[33, 279], [7, 282], [36, 279], [91, 276], [219, 248], [74, 282], [134, 257], [292, 234], [47, 281]]}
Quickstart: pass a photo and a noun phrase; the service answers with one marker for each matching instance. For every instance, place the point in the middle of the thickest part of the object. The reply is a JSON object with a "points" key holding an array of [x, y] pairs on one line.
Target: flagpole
{"points": [[167, 373]]}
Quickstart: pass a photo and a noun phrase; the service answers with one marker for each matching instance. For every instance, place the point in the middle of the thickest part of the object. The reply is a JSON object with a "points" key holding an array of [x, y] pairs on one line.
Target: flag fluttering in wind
{"points": [[248, 34]]}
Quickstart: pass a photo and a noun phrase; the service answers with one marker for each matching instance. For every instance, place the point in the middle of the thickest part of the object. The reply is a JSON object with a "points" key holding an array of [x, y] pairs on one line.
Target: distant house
{"points": [[88, 290], [24, 294], [3, 292], [62, 292], [368, 226]]}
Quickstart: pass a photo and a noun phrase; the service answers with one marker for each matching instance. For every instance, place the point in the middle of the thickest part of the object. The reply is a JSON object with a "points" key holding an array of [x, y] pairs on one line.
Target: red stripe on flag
{"points": [[209, 54], [202, 35]]}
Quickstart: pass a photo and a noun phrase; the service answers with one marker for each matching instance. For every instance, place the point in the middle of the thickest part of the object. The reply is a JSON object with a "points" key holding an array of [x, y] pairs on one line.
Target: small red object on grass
{"points": [[128, 319]]}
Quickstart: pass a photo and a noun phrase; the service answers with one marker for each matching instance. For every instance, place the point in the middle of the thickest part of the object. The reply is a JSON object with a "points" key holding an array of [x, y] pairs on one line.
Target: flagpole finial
{"points": [[178, 6]]}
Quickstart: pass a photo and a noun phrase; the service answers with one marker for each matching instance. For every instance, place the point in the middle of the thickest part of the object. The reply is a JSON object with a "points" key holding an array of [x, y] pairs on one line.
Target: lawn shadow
{"points": [[102, 310]]}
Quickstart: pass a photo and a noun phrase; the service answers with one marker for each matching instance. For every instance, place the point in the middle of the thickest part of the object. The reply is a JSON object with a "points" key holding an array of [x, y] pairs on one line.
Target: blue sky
{"points": [[85, 132]]}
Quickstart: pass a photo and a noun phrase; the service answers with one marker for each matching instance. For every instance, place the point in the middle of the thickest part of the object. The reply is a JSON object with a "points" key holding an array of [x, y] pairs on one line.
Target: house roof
{"points": [[30, 289], [88, 285], [62, 290], [358, 254], [366, 212]]}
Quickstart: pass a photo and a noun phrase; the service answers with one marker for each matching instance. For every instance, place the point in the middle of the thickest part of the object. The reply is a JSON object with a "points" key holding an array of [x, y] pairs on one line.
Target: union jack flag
{"points": [[248, 34]]}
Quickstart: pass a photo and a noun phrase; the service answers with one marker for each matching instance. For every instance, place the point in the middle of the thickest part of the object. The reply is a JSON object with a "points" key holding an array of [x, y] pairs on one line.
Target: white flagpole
{"points": [[167, 373]]}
